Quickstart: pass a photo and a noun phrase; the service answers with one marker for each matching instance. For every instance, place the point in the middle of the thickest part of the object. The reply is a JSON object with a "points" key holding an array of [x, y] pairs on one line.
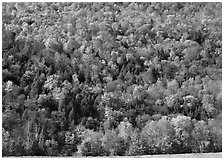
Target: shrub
{"points": [[166, 135], [125, 129], [122, 147], [113, 144], [215, 135], [183, 140], [123, 140], [70, 146], [80, 130], [109, 142], [91, 145], [200, 135], [51, 147], [156, 137], [6, 143], [135, 143]]}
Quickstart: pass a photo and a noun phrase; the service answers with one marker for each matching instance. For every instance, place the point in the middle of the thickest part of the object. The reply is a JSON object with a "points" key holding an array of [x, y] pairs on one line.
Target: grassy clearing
{"points": [[195, 155]]}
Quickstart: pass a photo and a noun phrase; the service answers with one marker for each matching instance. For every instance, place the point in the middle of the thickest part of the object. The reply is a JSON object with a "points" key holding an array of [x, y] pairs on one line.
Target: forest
{"points": [[111, 79]]}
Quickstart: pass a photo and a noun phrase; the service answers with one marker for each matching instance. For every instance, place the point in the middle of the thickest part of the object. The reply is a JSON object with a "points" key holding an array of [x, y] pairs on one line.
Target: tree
{"points": [[201, 137], [183, 128]]}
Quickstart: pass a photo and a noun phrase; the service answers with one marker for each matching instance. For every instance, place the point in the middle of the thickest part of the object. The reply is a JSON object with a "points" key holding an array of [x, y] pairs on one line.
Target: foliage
{"points": [[156, 137], [183, 128], [91, 144], [100, 79], [215, 132], [201, 136]]}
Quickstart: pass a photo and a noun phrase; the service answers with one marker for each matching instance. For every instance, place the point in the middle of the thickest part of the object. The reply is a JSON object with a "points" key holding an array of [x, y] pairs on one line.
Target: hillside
{"points": [[111, 79]]}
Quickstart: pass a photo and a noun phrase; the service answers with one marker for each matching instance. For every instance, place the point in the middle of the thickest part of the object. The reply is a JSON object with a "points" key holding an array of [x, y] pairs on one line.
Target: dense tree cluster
{"points": [[107, 79]]}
